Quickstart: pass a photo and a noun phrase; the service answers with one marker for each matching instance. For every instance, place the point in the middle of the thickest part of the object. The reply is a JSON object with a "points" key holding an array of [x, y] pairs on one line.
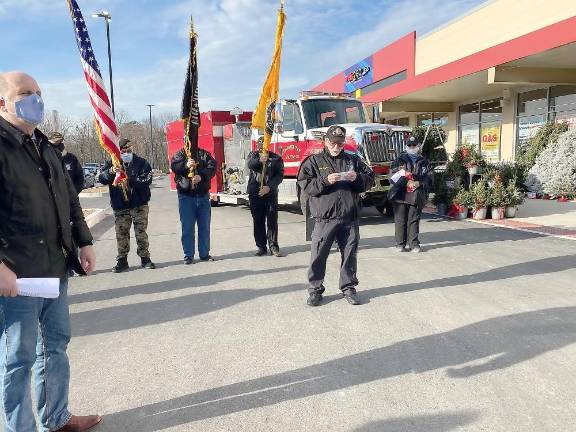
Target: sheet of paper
{"points": [[38, 287], [397, 176]]}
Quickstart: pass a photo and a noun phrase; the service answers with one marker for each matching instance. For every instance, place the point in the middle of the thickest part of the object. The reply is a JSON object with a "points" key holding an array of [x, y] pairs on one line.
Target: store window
{"points": [[479, 125], [563, 105], [532, 114], [403, 121], [426, 119]]}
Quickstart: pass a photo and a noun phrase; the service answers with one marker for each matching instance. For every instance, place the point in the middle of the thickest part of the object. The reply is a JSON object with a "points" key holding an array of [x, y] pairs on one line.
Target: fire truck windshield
{"points": [[327, 112]]}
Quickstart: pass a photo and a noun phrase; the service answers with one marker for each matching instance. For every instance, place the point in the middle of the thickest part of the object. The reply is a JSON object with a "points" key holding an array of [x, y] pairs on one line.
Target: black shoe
{"points": [[261, 252], [208, 258], [121, 265], [276, 252], [188, 260], [416, 249], [147, 263], [314, 299], [351, 296]]}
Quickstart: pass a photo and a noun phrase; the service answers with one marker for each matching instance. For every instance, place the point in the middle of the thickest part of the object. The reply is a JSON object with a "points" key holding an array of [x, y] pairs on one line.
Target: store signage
{"points": [[359, 76], [528, 127], [490, 143]]}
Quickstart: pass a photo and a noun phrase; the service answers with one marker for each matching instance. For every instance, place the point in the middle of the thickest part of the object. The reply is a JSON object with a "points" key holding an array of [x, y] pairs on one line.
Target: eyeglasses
{"points": [[413, 144], [335, 144]]}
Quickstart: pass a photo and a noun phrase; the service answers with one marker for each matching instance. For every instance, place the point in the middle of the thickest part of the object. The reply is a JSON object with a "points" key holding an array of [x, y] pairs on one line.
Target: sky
{"points": [[236, 38]]}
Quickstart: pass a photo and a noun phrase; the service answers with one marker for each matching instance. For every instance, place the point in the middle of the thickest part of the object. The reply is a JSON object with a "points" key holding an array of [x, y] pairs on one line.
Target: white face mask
{"points": [[413, 150]]}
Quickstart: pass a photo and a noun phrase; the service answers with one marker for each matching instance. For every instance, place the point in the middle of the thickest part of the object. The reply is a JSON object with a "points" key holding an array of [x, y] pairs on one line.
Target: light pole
{"points": [[151, 142], [108, 17]]}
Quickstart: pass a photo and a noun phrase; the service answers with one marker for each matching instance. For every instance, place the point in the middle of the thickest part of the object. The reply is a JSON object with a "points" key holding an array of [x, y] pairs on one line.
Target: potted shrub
{"points": [[498, 200], [479, 197], [472, 159], [462, 202], [515, 198]]}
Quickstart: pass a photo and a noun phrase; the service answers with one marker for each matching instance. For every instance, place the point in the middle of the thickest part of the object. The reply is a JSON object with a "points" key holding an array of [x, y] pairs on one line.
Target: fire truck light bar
{"points": [[309, 93]]}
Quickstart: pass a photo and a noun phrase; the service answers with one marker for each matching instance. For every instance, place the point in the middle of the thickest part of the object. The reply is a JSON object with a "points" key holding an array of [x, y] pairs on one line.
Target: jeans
{"points": [[35, 335], [195, 210]]}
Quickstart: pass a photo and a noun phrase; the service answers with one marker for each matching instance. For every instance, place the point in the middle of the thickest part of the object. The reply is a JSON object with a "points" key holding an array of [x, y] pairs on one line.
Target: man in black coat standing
{"points": [[71, 163], [264, 199], [130, 205], [40, 215], [333, 180]]}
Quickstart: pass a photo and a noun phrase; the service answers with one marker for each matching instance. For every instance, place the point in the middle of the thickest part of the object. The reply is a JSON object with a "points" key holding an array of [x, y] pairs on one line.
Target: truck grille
{"points": [[379, 146]]}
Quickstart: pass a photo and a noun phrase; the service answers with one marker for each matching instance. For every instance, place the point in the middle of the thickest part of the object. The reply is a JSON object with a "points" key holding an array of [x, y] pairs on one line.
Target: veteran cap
{"points": [[336, 134], [124, 143], [56, 138]]}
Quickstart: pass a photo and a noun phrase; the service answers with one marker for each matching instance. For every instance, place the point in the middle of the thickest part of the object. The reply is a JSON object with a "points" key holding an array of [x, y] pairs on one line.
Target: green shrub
{"points": [[433, 149], [547, 135]]}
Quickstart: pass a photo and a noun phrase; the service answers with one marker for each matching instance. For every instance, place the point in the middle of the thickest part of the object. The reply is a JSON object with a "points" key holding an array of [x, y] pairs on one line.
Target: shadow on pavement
{"points": [[494, 344], [171, 285], [541, 266], [131, 316], [443, 422]]}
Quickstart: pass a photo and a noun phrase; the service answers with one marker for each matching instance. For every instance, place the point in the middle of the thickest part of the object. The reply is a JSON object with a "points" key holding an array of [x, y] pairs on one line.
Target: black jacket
{"points": [[420, 170], [75, 170], [274, 173], [338, 201], [39, 207], [206, 169], [139, 175]]}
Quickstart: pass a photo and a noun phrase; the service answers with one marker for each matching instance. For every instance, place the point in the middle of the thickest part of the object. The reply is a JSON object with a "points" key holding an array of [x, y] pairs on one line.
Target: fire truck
{"points": [[300, 127]]}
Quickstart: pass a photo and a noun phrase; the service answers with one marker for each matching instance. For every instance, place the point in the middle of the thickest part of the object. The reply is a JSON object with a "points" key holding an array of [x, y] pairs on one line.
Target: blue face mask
{"points": [[30, 109], [127, 157]]}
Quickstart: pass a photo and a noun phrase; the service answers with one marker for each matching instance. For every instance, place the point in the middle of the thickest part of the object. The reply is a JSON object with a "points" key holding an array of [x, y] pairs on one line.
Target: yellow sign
{"points": [[490, 143]]}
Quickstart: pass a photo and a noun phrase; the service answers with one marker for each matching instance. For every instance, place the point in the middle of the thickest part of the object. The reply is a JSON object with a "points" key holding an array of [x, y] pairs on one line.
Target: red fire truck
{"points": [[299, 132]]}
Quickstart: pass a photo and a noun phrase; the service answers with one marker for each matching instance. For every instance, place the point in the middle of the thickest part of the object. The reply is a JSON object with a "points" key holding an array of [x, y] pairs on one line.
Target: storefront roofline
{"points": [[547, 38]]}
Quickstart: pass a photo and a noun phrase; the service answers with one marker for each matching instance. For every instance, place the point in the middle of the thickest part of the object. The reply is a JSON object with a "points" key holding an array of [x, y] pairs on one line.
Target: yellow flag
{"points": [[264, 111]]}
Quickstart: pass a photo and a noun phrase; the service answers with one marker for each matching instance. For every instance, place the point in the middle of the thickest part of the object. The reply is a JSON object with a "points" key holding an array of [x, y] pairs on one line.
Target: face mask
{"points": [[30, 109], [412, 150], [60, 147], [127, 157]]}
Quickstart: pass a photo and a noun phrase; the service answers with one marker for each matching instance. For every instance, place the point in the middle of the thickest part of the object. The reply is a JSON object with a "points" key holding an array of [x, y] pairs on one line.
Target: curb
{"points": [[561, 233], [95, 217]]}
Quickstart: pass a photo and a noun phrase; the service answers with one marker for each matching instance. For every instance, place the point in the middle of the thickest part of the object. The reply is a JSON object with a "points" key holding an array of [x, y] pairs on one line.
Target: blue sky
{"points": [[150, 48]]}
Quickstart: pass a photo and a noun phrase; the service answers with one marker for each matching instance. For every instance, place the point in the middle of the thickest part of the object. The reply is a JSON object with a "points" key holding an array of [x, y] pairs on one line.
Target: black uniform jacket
{"points": [[274, 173], [338, 201], [206, 169], [39, 209], [138, 193], [75, 170], [420, 170]]}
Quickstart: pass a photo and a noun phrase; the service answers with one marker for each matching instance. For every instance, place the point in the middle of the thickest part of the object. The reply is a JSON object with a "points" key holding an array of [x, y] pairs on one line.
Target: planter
{"points": [[498, 213], [473, 170], [462, 215], [511, 211], [563, 199], [441, 209], [479, 213]]}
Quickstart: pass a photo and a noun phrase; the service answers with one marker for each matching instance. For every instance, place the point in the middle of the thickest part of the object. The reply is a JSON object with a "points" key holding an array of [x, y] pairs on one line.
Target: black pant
{"points": [[347, 235], [407, 221], [265, 216]]}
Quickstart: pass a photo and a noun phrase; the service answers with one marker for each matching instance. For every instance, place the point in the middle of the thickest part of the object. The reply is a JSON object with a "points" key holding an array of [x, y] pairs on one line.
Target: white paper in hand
{"points": [[38, 287], [397, 176]]}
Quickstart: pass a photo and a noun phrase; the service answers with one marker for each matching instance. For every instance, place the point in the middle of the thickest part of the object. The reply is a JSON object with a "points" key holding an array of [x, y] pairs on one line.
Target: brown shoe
{"points": [[81, 423]]}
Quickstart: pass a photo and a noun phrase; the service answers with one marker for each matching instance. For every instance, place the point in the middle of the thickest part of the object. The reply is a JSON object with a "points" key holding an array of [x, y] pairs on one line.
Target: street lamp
{"points": [[151, 142], [108, 17]]}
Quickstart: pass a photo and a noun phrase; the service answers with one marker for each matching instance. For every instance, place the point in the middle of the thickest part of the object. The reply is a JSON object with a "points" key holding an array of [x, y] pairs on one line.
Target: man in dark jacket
{"points": [[71, 163], [194, 201], [264, 200], [409, 194], [333, 180], [40, 215], [130, 204]]}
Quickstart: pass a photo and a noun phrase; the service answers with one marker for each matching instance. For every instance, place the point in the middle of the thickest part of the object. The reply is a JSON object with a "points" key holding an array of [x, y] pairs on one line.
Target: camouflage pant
{"points": [[123, 222]]}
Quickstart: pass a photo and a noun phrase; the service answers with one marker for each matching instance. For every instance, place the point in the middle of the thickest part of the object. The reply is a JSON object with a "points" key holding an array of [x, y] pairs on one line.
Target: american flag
{"points": [[104, 119]]}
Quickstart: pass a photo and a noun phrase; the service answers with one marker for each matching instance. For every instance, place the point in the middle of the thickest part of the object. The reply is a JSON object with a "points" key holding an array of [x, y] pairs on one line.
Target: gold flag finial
{"points": [[192, 32]]}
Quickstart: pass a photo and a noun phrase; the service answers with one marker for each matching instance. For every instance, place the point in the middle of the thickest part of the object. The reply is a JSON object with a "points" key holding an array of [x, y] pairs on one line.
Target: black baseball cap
{"points": [[336, 134]]}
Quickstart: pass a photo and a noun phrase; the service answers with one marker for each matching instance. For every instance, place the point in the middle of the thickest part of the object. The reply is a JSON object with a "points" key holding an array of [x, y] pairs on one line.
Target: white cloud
{"points": [[236, 41]]}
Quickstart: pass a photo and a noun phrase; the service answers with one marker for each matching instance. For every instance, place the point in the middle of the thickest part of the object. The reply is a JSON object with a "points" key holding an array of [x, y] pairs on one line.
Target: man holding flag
{"points": [[193, 169], [267, 168]]}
